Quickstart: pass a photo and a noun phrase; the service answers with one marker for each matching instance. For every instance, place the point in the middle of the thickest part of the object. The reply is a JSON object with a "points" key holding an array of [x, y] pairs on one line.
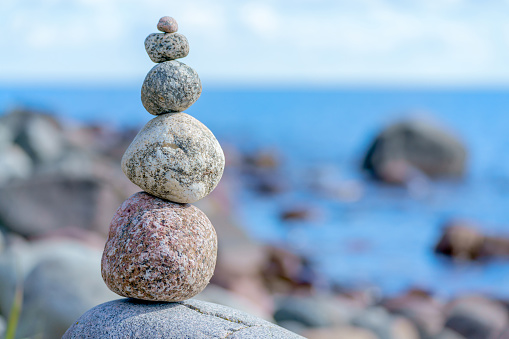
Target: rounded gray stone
{"points": [[131, 318], [175, 157], [162, 47], [167, 24], [62, 280], [170, 86]]}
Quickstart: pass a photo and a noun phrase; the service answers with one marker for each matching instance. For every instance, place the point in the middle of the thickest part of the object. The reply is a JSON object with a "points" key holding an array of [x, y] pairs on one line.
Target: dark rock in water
{"points": [[41, 204], [461, 240], [263, 171], [131, 318], [297, 214], [287, 273], [477, 317], [410, 146], [264, 159]]}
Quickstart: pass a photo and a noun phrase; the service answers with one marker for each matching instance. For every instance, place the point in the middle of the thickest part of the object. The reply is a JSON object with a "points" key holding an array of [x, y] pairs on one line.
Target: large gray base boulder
{"points": [[132, 318]]}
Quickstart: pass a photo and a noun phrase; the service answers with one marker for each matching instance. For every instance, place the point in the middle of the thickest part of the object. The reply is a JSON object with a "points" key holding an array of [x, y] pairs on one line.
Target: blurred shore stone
{"points": [[6, 136], [314, 311], [384, 325], [449, 334], [14, 164], [188, 319], [218, 295], [414, 144], [61, 281], [240, 259], [3, 327], [37, 133], [342, 332], [422, 309], [476, 317], [86, 237], [41, 139], [41, 204]]}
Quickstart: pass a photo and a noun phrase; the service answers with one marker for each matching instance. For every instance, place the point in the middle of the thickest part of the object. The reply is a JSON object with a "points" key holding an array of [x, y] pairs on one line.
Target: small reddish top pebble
{"points": [[167, 24]]}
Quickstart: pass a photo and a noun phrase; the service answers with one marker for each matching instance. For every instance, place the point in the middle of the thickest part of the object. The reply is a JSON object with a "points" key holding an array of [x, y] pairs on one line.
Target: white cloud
{"points": [[261, 18], [266, 40]]}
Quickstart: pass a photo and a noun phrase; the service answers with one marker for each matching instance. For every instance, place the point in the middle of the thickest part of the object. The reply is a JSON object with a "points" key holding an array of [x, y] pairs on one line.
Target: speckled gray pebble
{"points": [[162, 47], [175, 157], [130, 318], [167, 24], [170, 86]]}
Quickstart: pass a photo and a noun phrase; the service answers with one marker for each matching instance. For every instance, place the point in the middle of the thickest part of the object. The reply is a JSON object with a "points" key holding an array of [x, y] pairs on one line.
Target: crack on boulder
{"points": [[236, 321], [240, 329]]}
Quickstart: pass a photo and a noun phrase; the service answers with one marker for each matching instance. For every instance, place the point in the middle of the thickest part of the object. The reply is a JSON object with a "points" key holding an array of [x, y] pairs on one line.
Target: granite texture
{"points": [[175, 157], [128, 318], [170, 86], [158, 250], [167, 24], [162, 47]]}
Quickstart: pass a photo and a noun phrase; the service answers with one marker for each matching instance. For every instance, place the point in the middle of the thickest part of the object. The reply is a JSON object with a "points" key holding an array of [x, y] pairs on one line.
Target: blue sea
{"points": [[385, 236]]}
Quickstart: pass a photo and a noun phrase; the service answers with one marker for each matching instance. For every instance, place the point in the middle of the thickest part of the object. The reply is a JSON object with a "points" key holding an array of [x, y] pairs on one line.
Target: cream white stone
{"points": [[175, 157]]}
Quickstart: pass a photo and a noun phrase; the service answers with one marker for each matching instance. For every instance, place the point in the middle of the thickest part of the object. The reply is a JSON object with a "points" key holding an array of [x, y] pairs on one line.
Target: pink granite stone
{"points": [[167, 24], [159, 250]]}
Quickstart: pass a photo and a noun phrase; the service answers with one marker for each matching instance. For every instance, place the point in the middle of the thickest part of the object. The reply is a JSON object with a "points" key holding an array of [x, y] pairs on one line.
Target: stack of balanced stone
{"points": [[161, 248]]}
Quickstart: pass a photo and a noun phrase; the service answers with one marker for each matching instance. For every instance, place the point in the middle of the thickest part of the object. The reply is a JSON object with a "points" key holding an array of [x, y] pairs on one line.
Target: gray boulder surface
{"points": [[132, 318]]}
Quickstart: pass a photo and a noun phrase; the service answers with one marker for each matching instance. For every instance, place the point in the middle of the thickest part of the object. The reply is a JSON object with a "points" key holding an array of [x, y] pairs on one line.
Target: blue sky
{"points": [[267, 42]]}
